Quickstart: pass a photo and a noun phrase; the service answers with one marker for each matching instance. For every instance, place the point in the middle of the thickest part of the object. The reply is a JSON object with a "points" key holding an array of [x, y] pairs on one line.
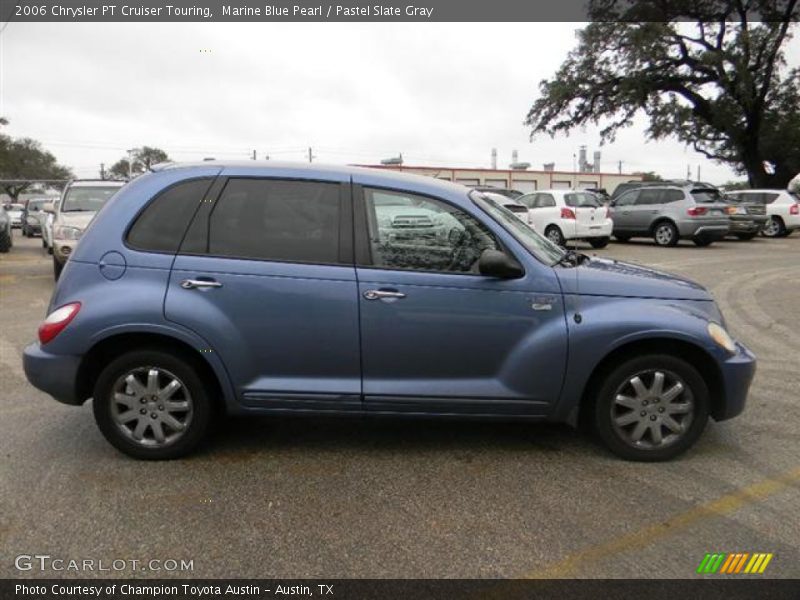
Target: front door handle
{"points": [[191, 284], [383, 294]]}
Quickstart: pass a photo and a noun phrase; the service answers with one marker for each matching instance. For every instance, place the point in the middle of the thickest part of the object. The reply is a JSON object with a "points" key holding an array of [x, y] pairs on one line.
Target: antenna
{"points": [[577, 317]]}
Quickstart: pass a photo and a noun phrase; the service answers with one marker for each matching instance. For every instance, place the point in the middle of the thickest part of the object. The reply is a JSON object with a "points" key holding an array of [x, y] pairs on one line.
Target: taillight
{"points": [[696, 211], [57, 320], [567, 213], [794, 209], [608, 212]]}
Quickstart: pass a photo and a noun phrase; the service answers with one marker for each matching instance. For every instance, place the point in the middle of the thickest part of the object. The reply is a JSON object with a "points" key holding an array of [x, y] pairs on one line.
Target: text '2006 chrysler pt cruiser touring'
{"points": [[213, 288]]}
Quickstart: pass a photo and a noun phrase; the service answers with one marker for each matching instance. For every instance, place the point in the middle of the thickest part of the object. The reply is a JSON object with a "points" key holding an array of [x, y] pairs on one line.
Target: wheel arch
{"points": [[114, 345], [679, 348], [663, 219]]}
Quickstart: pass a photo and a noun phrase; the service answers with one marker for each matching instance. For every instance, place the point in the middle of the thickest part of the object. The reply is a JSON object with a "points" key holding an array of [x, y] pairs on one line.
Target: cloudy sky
{"points": [[442, 94]]}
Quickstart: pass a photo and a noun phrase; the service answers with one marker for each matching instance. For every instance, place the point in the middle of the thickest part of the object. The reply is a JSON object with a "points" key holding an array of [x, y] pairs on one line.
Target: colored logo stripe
{"points": [[729, 563]]}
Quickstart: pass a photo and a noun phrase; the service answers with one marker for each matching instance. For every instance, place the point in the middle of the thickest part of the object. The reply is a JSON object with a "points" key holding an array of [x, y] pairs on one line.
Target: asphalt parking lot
{"points": [[358, 498]]}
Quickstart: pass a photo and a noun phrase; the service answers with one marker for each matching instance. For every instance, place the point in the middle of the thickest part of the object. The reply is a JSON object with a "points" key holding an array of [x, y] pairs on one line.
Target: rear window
{"points": [[706, 196], [581, 200], [160, 227]]}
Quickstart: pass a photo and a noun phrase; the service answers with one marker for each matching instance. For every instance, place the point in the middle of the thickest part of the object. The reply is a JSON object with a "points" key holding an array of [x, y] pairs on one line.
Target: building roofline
{"points": [[485, 170]]}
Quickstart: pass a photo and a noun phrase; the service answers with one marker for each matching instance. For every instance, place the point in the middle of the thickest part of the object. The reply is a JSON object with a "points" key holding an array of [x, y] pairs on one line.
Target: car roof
{"points": [[274, 168]]}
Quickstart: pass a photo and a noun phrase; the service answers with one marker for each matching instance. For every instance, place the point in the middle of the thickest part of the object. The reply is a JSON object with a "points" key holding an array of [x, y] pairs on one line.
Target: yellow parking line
{"points": [[644, 537]]}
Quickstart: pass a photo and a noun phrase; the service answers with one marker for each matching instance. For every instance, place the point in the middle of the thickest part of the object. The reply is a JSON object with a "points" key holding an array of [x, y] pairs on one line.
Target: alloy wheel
{"points": [[664, 235], [151, 406], [652, 409], [772, 228]]}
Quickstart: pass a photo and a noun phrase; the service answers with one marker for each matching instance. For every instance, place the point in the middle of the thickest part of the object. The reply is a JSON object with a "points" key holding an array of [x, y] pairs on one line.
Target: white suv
{"points": [[563, 215], [783, 209]]}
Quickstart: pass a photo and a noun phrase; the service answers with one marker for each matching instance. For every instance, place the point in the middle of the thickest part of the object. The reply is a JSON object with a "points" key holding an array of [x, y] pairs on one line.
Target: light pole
{"points": [[130, 163]]}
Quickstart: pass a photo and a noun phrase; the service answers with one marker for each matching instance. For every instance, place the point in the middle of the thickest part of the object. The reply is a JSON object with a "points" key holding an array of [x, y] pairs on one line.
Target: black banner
{"points": [[391, 589], [389, 10]]}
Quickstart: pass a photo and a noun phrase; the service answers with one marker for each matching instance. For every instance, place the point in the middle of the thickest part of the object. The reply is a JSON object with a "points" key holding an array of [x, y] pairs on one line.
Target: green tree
{"points": [[143, 158], [649, 176], [23, 160], [717, 82]]}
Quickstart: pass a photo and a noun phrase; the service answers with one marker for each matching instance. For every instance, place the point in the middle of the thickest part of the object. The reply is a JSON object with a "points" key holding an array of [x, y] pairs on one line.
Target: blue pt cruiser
{"points": [[237, 288]]}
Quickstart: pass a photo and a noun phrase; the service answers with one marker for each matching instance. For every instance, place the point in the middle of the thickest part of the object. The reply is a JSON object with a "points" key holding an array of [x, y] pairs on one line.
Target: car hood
{"points": [[79, 219], [603, 277]]}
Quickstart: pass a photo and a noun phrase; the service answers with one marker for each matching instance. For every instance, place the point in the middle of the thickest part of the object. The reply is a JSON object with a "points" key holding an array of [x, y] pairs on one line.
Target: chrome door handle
{"points": [[190, 284], [381, 294]]}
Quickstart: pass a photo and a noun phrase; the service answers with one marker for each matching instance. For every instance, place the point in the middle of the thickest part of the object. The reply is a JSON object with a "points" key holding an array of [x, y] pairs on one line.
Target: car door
{"points": [[438, 337], [622, 211], [265, 275]]}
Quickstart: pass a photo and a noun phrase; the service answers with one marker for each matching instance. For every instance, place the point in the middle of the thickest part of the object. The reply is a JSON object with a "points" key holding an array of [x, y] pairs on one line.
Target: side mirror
{"points": [[494, 263], [50, 207]]}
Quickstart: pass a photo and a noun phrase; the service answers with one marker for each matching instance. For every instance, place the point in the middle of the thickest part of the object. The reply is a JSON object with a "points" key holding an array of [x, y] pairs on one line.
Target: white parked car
{"points": [[783, 209], [15, 214], [562, 215], [520, 210]]}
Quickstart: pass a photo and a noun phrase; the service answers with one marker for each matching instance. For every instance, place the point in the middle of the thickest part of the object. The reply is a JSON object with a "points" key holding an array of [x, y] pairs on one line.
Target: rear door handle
{"points": [[383, 294], [191, 284]]}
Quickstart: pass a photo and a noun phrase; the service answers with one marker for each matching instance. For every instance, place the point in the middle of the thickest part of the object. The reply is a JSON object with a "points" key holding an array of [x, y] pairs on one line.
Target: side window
{"points": [[547, 201], [648, 197], [769, 198], [668, 196], [413, 232], [160, 227], [528, 200], [627, 199], [280, 220]]}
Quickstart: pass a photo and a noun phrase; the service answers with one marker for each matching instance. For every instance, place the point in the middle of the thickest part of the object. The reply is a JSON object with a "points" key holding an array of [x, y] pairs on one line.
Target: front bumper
{"points": [[54, 374], [737, 375]]}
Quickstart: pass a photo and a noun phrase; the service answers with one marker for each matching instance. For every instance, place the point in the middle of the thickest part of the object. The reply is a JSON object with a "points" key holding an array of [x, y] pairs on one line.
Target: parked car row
{"points": [[667, 211]]}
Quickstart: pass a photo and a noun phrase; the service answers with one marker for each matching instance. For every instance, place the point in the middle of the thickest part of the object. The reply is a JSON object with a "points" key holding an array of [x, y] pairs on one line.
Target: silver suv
{"points": [[670, 213]]}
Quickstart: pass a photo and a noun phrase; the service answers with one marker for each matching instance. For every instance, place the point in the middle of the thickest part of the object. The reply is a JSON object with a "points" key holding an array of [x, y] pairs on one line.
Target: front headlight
{"points": [[62, 232], [721, 337]]}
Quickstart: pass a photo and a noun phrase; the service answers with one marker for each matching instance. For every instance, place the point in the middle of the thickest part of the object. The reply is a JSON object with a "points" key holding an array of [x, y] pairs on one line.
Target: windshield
{"points": [[581, 200], [87, 199], [706, 196], [541, 248], [36, 205]]}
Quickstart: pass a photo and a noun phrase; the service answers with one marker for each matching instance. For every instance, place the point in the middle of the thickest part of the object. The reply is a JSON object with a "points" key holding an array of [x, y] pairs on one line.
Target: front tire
{"points": [[600, 242], [57, 268], [652, 408], [152, 405], [5, 241], [746, 236], [665, 234], [553, 233], [702, 242]]}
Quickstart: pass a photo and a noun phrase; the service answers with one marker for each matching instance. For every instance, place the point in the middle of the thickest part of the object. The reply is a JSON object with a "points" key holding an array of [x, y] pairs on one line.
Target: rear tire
{"points": [[553, 233], [651, 423], [746, 236], [665, 234], [624, 239], [600, 242], [773, 228], [702, 242], [172, 424]]}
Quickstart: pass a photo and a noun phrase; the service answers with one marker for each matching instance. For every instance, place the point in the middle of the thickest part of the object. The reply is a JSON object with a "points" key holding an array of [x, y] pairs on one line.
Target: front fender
{"points": [[609, 323]]}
